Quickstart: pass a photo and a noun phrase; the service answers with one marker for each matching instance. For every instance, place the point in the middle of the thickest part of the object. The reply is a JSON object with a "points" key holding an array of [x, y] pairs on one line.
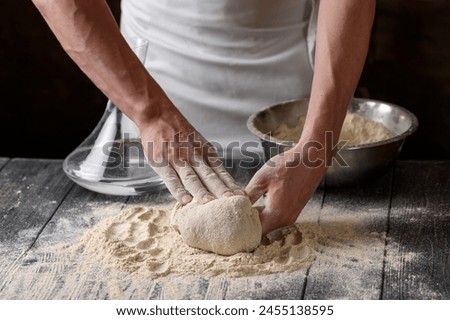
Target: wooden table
{"points": [[404, 216]]}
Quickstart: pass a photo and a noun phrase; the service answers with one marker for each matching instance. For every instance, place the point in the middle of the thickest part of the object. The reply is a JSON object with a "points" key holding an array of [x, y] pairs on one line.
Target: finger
{"points": [[193, 184], [210, 179], [173, 183], [264, 216], [256, 188], [227, 178], [268, 221]]}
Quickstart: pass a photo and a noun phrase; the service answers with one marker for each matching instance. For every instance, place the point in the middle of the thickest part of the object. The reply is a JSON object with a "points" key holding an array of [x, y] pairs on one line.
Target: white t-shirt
{"points": [[219, 61]]}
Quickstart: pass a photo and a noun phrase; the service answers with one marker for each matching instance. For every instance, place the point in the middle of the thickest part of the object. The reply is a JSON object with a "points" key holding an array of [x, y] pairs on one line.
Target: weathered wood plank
{"points": [[350, 232], [278, 286], [417, 261], [30, 192], [59, 274], [3, 162], [351, 240], [45, 267]]}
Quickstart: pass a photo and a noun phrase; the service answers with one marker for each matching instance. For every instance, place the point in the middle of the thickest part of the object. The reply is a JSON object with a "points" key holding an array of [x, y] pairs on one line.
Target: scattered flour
{"points": [[344, 249], [355, 130], [142, 241]]}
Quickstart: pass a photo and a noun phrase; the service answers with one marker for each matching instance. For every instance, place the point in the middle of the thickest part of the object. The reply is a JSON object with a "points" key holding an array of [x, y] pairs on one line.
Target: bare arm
{"points": [[88, 32], [343, 34]]}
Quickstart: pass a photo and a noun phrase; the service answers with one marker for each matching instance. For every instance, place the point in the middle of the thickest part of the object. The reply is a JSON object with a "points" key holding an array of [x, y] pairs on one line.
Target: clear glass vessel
{"points": [[111, 159]]}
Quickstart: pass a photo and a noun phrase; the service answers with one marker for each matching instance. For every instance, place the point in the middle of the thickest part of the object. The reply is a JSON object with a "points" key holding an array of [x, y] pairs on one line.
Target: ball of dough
{"points": [[225, 226]]}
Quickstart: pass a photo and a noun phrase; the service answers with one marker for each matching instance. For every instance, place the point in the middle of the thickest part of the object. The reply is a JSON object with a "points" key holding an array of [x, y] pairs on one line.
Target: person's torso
{"points": [[221, 60]]}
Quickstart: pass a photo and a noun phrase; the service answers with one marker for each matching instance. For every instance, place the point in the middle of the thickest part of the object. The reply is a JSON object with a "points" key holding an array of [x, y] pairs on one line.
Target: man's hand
{"points": [[343, 33], [287, 181], [184, 160], [90, 35]]}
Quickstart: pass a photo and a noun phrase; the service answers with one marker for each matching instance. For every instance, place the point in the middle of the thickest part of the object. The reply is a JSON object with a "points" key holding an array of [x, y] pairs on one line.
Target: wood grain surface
{"points": [[419, 232], [385, 239]]}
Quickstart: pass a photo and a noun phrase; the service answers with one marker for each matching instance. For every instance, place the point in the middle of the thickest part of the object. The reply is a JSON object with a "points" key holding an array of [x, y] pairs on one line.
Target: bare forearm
{"points": [[89, 34], [343, 34]]}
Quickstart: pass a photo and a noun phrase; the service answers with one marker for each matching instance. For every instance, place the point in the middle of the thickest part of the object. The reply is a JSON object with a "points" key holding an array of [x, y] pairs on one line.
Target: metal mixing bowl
{"points": [[365, 161]]}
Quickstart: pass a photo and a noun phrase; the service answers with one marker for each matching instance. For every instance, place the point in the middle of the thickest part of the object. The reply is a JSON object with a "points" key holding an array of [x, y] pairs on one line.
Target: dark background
{"points": [[47, 100]]}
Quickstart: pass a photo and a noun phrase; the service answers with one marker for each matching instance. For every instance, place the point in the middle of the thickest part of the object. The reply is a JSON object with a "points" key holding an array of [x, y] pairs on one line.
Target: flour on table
{"points": [[143, 242], [343, 247], [355, 130], [225, 226]]}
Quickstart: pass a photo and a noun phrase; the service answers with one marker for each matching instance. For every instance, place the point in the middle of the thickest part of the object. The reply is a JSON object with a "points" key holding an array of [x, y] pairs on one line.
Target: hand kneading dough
{"points": [[225, 226]]}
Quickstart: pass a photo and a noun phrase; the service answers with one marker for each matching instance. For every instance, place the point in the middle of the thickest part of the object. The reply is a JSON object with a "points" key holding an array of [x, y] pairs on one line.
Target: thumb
{"points": [[266, 224], [256, 188]]}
